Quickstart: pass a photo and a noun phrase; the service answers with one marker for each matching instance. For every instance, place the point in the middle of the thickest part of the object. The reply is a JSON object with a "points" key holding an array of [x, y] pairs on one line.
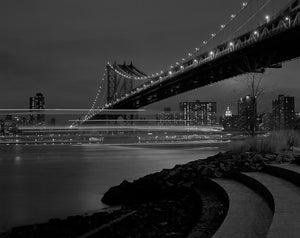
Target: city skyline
{"points": [[65, 61]]}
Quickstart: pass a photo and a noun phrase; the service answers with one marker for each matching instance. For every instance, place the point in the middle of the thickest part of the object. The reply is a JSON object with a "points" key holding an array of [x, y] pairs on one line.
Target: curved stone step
{"points": [[286, 196], [290, 172], [249, 214], [215, 202]]}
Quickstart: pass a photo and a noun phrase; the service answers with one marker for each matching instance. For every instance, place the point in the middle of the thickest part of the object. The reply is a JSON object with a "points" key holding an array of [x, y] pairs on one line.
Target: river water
{"points": [[40, 182]]}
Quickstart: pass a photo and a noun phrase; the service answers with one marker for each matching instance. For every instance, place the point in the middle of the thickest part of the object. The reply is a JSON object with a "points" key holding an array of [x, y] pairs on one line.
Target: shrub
{"points": [[274, 143]]}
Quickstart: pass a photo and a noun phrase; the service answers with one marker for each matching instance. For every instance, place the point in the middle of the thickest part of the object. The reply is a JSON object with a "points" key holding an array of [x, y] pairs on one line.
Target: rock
{"points": [[270, 157]]}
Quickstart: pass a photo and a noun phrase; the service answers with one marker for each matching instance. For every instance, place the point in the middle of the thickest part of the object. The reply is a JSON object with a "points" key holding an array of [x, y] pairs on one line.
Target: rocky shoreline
{"points": [[165, 204]]}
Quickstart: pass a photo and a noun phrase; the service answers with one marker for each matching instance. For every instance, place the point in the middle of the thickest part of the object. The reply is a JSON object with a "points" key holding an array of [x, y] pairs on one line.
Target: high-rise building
{"points": [[198, 113], [283, 109], [265, 121], [37, 103], [247, 112], [31, 108], [187, 108], [2, 127], [205, 113]]}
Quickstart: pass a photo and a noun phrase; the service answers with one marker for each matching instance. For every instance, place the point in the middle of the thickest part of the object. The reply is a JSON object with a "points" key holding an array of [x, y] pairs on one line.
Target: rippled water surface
{"points": [[42, 182]]}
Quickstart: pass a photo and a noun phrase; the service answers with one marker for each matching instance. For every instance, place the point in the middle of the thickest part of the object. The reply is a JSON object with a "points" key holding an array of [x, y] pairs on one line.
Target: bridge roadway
{"points": [[252, 52]]}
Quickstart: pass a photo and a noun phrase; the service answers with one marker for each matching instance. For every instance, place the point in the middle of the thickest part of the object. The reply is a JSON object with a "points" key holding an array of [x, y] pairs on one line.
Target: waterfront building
{"points": [[52, 121], [247, 112], [198, 113], [265, 121], [230, 123], [205, 113], [186, 109], [37, 103], [297, 121], [228, 113], [168, 117], [283, 109], [2, 127]]}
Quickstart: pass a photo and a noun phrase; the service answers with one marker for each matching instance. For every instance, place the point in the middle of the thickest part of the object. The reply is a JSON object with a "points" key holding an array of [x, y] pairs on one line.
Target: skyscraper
{"points": [[205, 113], [187, 112], [37, 103], [247, 112], [199, 113], [283, 109]]}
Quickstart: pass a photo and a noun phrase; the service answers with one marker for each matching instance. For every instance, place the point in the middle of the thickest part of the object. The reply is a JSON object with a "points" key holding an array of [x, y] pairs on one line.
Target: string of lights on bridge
{"points": [[162, 75], [196, 51]]}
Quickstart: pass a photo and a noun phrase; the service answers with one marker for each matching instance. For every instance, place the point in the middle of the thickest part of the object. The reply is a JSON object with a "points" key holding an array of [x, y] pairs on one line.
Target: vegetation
{"points": [[276, 142]]}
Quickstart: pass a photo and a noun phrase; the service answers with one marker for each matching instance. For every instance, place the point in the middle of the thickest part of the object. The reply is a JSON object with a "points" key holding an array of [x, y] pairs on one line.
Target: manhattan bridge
{"points": [[262, 34]]}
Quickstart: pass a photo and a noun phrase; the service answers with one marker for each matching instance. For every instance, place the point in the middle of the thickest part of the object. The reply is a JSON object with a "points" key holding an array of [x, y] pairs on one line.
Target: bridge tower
{"points": [[120, 79]]}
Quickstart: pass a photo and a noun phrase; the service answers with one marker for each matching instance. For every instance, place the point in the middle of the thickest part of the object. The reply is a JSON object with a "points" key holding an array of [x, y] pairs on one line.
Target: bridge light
{"points": [[195, 61], [232, 16], [267, 18], [177, 63], [213, 35], [189, 54], [183, 59], [255, 33], [197, 49], [204, 42], [170, 72], [181, 67], [223, 26], [211, 53], [161, 72], [244, 4], [231, 44]]}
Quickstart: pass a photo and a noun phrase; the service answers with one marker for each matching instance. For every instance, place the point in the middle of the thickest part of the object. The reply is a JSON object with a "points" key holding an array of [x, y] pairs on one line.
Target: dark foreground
{"points": [[172, 203]]}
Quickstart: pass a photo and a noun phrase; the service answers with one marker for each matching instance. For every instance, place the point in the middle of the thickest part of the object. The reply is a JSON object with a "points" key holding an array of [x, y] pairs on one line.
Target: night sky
{"points": [[60, 48]]}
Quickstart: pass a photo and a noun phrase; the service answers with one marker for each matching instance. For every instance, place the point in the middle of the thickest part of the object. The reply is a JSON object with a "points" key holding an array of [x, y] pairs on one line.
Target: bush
{"points": [[275, 143]]}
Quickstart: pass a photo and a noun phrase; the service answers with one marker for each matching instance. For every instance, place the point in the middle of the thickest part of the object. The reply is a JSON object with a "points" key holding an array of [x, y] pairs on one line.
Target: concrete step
{"points": [[286, 197], [249, 214], [290, 172]]}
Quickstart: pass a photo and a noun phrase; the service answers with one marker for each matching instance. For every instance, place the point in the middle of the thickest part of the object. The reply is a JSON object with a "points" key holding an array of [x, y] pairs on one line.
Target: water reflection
{"points": [[41, 182]]}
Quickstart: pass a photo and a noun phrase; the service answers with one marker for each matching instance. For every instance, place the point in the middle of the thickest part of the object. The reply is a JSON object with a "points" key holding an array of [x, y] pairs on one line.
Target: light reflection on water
{"points": [[42, 182]]}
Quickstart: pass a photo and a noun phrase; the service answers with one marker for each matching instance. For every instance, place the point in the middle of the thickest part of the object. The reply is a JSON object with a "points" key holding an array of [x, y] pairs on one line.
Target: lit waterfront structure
{"points": [[186, 108], [265, 121], [247, 112], [37, 103], [198, 113], [230, 122], [168, 117], [283, 109], [2, 127], [228, 113]]}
